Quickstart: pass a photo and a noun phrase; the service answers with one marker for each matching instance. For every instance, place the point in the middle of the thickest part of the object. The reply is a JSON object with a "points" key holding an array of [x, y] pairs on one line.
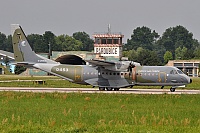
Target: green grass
{"points": [[20, 77], [50, 81], [6, 70], [195, 84], [78, 112]]}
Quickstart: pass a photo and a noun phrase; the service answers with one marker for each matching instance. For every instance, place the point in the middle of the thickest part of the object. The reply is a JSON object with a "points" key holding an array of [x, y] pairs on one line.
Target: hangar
{"points": [[69, 57], [10, 58]]}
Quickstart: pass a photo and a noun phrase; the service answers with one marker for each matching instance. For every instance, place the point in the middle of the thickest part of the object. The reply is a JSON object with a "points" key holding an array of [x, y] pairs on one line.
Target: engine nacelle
{"points": [[122, 66]]}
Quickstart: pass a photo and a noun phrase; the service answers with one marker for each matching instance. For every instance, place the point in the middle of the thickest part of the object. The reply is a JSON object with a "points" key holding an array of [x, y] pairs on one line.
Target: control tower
{"points": [[108, 44]]}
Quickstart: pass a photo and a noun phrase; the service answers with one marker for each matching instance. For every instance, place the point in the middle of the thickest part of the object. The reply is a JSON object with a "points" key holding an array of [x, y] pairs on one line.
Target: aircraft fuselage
{"points": [[140, 75], [104, 74]]}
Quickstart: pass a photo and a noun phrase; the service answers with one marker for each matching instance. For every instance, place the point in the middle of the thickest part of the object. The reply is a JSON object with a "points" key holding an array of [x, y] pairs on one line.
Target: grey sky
{"points": [[69, 16]]}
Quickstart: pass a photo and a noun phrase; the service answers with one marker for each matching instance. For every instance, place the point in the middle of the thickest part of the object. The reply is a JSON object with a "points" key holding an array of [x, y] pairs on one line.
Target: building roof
{"points": [[8, 54], [191, 60]]}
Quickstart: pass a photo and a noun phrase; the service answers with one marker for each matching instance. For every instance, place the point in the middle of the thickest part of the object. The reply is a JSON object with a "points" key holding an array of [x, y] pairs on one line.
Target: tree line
{"points": [[145, 45], [79, 41], [149, 48]]}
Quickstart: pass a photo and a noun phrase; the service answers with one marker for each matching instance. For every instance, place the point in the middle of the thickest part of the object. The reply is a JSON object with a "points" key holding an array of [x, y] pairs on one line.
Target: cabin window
{"points": [[103, 41], [114, 73], [196, 64], [109, 40], [115, 41], [97, 40], [171, 72]]}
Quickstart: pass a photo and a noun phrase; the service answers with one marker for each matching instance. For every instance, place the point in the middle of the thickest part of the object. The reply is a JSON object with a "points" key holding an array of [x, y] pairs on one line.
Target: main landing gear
{"points": [[108, 89]]}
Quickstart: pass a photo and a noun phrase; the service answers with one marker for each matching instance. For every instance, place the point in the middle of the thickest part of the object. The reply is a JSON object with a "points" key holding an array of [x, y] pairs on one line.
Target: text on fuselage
{"points": [[62, 69]]}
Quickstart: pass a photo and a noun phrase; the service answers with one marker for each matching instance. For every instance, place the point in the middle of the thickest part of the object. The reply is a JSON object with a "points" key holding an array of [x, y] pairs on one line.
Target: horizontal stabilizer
{"points": [[23, 63]]}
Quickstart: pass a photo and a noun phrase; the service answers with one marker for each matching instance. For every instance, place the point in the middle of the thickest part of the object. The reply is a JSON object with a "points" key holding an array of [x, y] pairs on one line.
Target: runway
{"points": [[95, 90]]}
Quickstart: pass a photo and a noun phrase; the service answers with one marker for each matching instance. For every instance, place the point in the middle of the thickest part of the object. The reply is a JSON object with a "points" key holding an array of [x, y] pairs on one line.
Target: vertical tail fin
{"points": [[22, 50]]}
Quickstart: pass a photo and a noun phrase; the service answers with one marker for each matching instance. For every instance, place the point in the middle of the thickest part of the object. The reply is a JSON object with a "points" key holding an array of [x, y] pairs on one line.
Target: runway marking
{"points": [[95, 90]]}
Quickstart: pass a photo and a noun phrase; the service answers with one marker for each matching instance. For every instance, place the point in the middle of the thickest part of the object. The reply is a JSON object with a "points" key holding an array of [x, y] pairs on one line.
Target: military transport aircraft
{"points": [[106, 75]]}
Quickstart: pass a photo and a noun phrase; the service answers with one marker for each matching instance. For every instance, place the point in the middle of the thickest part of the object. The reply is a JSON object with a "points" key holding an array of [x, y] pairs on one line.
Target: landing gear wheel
{"points": [[102, 88], [109, 88], [172, 89], [116, 89]]}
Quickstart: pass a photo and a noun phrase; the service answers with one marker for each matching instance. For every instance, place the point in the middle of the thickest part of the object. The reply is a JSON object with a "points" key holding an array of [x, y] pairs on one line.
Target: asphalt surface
{"points": [[95, 90]]}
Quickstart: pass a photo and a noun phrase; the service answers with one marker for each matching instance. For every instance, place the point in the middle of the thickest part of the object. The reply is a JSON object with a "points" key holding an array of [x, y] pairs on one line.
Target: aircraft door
{"points": [[162, 77], [134, 73], [78, 70]]}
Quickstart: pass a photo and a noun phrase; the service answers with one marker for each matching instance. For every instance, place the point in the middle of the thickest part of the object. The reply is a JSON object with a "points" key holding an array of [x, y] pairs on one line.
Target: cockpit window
{"points": [[173, 72], [179, 72]]}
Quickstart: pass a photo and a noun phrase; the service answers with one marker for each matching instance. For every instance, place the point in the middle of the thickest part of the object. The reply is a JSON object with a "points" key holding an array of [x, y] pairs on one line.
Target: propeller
{"points": [[131, 65]]}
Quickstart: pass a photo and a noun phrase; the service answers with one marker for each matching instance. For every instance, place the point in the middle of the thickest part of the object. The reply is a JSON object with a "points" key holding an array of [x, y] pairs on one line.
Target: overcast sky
{"points": [[69, 16]]}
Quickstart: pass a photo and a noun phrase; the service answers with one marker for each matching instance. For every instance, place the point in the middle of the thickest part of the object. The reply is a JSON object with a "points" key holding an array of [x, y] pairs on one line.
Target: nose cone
{"points": [[188, 80]]}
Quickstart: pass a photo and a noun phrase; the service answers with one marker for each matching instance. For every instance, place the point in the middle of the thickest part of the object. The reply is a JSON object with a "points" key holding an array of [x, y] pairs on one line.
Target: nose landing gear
{"points": [[172, 89]]}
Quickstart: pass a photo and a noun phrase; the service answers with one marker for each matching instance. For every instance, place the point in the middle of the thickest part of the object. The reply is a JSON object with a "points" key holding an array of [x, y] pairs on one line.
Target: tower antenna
{"points": [[109, 29]]}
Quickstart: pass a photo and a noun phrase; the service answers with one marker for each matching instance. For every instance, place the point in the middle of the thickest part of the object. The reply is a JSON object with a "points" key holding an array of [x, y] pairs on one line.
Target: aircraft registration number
{"points": [[62, 69]]}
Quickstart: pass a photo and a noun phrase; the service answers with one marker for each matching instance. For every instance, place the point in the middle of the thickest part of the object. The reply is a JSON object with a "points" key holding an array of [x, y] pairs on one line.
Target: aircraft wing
{"points": [[25, 64], [93, 82], [100, 62], [109, 65]]}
